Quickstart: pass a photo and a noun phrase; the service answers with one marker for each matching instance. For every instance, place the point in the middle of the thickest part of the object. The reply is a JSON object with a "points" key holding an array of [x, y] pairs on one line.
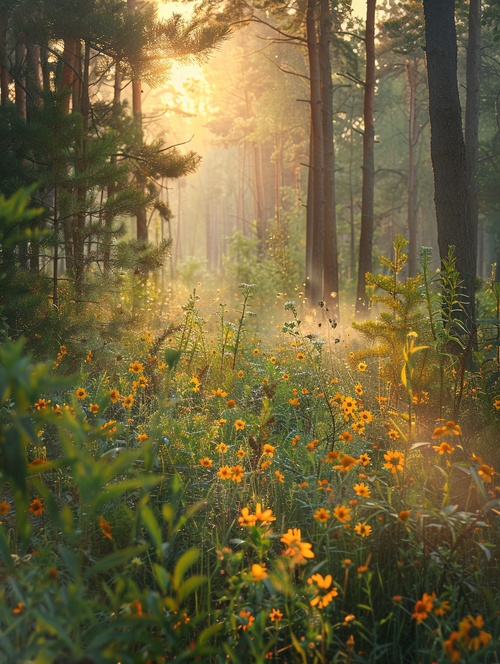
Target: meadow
{"points": [[235, 486]]}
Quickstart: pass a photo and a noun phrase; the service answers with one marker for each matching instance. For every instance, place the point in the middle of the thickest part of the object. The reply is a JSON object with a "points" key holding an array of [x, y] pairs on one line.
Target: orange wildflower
{"points": [[105, 527]]}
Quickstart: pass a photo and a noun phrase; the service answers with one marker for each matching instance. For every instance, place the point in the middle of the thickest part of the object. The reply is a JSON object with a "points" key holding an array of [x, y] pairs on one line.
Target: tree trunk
{"points": [[330, 257], [412, 185], [472, 115], [141, 217], [318, 231], [69, 57], [20, 81], [368, 188], [447, 146], [4, 61], [310, 216]]}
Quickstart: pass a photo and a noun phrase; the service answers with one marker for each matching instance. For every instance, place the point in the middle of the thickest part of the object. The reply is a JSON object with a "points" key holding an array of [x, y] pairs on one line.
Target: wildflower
{"points": [[240, 374], [36, 507], [364, 459], [273, 360], [259, 572], [363, 529], [18, 609], [142, 437], [362, 366], [394, 461], [221, 448], [359, 390], [349, 405], [449, 428], [397, 598], [285, 376], [362, 569], [312, 445], [441, 607], [57, 409], [265, 464], [295, 440], [105, 527], [206, 462], [322, 515], [472, 634], [361, 489], [219, 392], [41, 404], [136, 608], [265, 516], [225, 472], [303, 485], [94, 408], [279, 476], [294, 402], [300, 355], [114, 395], [128, 402], [346, 464], [404, 515], [423, 607], [247, 620], [359, 427], [444, 448], [239, 425], [323, 595], [4, 508], [268, 449], [297, 550], [332, 456], [136, 367], [237, 475], [304, 390], [195, 383], [246, 518], [256, 351], [231, 403], [365, 416], [496, 404], [241, 454], [63, 350], [275, 615], [80, 393], [486, 472], [346, 436], [142, 381], [393, 434], [221, 422], [342, 513]]}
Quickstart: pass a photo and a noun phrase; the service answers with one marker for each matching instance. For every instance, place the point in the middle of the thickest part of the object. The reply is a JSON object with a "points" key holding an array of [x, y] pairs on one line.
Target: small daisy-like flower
{"points": [[128, 402], [63, 350], [206, 462], [359, 427], [361, 489], [496, 404], [296, 549], [256, 351], [239, 425], [237, 473], [300, 355], [136, 367], [346, 463], [142, 437], [231, 403], [323, 595], [221, 448], [322, 515], [312, 445], [332, 456], [342, 513], [264, 516], [273, 360], [225, 473], [423, 607], [364, 459], [18, 609], [393, 434], [240, 374], [80, 393], [346, 436], [219, 392], [285, 376], [294, 402], [241, 454], [247, 620], [114, 395], [94, 408], [105, 527], [362, 366], [486, 472], [246, 518], [365, 416], [404, 515], [394, 461], [450, 428], [358, 389], [275, 615], [363, 529], [268, 449], [444, 448], [41, 404], [36, 507]]}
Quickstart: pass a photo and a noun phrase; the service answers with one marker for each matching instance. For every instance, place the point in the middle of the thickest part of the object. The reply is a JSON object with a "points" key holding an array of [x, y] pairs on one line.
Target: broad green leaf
{"points": [[186, 561]]}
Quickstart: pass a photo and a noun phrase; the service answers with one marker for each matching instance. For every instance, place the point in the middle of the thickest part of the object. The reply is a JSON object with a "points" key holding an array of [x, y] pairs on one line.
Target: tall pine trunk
{"points": [[412, 185], [448, 147], [368, 188], [4, 61]]}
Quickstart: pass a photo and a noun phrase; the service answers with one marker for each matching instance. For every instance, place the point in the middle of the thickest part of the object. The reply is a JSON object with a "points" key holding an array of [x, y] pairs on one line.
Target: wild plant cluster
{"points": [[207, 492]]}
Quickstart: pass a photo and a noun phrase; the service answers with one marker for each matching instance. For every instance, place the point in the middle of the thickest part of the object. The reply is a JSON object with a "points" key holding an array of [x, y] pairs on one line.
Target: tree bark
{"points": [[4, 61], [368, 188], [330, 256], [318, 231], [20, 81], [473, 70], [448, 148], [412, 185]]}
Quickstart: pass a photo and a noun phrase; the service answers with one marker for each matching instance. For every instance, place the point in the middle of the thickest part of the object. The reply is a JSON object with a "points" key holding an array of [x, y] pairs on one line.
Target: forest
{"points": [[249, 331]]}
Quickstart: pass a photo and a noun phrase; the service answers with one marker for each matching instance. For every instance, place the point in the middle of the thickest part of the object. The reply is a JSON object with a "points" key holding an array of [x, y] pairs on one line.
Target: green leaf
{"points": [[145, 482], [190, 585], [172, 357], [153, 527], [186, 561], [114, 559]]}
